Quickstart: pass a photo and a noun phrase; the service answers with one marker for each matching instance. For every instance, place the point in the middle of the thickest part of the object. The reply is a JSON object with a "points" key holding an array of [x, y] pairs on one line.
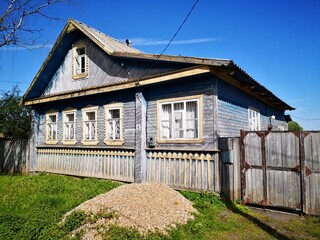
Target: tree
{"points": [[15, 120], [294, 126], [15, 16]]}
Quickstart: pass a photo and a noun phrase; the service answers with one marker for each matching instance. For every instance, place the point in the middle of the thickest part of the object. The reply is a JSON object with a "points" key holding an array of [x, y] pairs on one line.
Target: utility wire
{"points": [[306, 119], [166, 47]]}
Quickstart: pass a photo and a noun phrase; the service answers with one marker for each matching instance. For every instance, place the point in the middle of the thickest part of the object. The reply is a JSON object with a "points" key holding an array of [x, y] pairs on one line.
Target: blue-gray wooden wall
{"points": [[233, 107], [126, 97], [191, 86]]}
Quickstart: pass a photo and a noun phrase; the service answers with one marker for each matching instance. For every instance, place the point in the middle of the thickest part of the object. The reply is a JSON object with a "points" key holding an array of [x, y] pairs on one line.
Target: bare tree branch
{"points": [[13, 21]]}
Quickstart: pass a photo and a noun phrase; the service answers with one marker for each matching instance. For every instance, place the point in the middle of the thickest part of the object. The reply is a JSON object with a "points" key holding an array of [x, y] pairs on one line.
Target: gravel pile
{"points": [[145, 207]]}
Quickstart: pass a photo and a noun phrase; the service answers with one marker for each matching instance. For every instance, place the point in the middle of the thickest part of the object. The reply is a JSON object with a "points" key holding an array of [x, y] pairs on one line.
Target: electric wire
{"points": [[306, 119], [169, 43]]}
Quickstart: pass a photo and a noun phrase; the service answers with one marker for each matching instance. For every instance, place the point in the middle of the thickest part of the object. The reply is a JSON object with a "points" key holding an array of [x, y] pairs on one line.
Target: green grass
{"points": [[31, 207]]}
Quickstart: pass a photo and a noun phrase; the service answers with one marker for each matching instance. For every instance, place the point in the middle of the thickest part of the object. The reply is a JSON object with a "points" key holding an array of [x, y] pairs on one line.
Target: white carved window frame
{"points": [[107, 109], [85, 127], [65, 140], [51, 128]]}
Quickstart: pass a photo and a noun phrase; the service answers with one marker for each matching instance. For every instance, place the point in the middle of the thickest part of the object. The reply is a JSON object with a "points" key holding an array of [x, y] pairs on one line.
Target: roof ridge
{"points": [[102, 33]]}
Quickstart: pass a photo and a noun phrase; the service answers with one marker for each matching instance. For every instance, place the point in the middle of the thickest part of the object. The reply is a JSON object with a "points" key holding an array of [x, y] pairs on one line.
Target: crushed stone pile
{"points": [[146, 207]]}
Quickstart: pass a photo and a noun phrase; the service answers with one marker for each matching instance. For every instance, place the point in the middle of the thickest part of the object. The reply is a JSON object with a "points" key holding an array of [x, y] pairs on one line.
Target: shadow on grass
{"points": [[232, 206]]}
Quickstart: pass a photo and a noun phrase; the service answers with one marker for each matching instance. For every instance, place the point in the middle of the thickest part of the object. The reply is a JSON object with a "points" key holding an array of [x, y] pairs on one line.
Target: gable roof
{"points": [[224, 68]]}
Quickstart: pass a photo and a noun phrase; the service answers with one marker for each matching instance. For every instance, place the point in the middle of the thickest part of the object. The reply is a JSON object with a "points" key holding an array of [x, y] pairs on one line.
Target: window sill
{"points": [[51, 141], [180, 141], [69, 142], [114, 142], [90, 143], [78, 76]]}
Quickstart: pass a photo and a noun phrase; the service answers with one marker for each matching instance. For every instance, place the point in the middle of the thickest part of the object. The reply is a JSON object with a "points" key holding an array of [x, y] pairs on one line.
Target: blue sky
{"points": [[276, 42]]}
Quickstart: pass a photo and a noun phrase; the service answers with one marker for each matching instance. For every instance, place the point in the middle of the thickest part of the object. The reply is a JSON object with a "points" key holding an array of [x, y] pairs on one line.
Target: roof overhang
{"points": [[131, 83]]}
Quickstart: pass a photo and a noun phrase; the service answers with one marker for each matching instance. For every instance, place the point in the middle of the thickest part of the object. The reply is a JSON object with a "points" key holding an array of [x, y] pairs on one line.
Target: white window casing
{"points": [[90, 126], [180, 120], [69, 127], [80, 61], [114, 124], [51, 136], [254, 120]]}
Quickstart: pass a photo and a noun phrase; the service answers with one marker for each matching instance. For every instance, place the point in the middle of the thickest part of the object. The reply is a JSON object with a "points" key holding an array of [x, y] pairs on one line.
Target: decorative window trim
{"points": [[48, 114], [257, 126], [69, 141], [197, 98], [84, 111], [76, 76], [113, 142]]}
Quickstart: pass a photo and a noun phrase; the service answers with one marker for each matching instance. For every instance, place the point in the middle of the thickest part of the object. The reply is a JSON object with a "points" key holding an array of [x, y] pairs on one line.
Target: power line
{"points": [[306, 119], [13, 82], [176, 33]]}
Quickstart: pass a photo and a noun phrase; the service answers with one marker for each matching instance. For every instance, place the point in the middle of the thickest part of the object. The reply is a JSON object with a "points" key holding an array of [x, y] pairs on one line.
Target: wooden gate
{"points": [[281, 170]]}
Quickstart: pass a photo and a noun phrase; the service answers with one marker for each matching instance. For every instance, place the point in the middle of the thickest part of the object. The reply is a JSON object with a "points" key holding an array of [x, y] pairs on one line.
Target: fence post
{"points": [[302, 173], [140, 137]]}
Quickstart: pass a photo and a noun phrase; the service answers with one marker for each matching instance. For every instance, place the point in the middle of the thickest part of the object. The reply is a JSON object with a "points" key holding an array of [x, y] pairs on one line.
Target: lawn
{"points": [[31, 207]]}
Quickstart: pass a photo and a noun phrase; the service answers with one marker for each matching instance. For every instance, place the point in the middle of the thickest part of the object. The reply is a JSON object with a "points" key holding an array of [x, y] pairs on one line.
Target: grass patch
{"points": [[31, 207]]}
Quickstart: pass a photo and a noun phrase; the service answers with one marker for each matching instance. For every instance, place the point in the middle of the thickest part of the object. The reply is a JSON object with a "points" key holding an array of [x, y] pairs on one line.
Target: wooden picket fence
{"points": [[182, 170], [107, 164]]}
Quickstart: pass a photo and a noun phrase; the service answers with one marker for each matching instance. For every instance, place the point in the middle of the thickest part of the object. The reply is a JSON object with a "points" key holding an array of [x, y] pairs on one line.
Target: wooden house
{"points": [[104, 109]]}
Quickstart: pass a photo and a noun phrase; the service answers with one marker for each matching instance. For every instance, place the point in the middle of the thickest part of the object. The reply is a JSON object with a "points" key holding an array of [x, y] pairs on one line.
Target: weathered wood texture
{"points": [[230, 168], [233, 107], [103, 70], [312, 177], [182, 170], [200, 85], [281, 169], [14, 155], [107, 164]]}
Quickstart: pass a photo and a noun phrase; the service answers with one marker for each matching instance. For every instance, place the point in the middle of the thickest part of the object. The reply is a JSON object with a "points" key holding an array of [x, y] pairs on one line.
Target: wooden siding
{"points": [[233, 107], [281, 169], [107, 164], [125, 97], [103, 69], [202, 85], [182, 170]]}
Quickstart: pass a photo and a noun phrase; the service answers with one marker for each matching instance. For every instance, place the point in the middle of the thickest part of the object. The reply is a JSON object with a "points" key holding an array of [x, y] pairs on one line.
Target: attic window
{"points": [[80, 62]]}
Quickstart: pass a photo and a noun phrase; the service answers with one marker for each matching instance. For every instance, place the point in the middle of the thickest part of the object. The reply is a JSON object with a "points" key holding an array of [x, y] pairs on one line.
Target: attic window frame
{"points": [[75, 56]]}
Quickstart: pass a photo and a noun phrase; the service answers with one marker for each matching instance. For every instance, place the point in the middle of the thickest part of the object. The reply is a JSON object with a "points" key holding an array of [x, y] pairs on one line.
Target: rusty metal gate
{"points": [[281, 170]]}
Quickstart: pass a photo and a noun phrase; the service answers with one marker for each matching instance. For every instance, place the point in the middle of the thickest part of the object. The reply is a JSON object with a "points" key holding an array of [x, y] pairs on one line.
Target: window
{"points": [[89, 126], [51, 128], [113, 121], [69, 127], [179, 119], [80, 62], [254, 119]]}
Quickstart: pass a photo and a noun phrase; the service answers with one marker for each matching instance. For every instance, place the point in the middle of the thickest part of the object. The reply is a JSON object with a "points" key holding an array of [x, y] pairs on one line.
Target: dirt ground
{"points": [[281, 225]]}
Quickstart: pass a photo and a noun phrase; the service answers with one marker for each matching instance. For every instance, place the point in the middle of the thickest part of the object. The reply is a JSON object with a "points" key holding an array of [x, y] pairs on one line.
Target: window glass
{"points": [[179, 120]]}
